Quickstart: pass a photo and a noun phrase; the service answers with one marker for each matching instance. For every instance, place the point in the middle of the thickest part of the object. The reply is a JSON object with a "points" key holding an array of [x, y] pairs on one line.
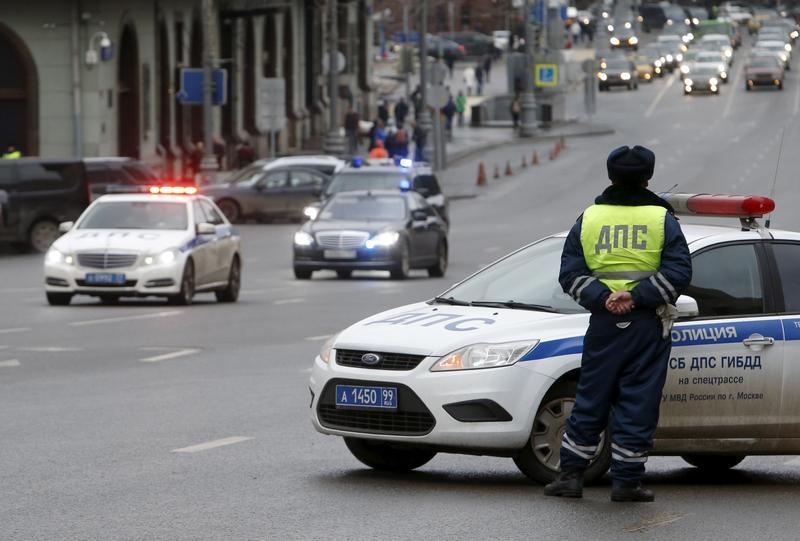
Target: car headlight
{"points": [[787, 47], [54, 257], [301, 238], [627, 24], [783, 57], [164, 258], [688, 82], [633, 40], [614, 41], [657, 63], [610, 28], [327, 347], [625, 76], [685, 69], [602, 76], [728, 53], [669, 58], [387, 238], [478, 356], [679, 57], [311, 212], [713, 81]]}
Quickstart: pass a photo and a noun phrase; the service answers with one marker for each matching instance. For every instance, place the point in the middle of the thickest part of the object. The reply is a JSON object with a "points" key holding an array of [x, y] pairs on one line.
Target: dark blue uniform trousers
{"points": [[623, 370]]}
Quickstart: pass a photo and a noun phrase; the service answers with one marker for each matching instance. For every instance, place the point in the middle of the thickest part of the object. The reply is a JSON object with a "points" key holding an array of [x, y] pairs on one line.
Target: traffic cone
{"points": [[524, 164], [509, 171], [535, 159], [481, 175], [496, 171]]}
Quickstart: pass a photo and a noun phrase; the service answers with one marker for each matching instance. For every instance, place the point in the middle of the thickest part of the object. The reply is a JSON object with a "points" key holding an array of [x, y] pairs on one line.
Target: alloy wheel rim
{"points": [[549, 427]]}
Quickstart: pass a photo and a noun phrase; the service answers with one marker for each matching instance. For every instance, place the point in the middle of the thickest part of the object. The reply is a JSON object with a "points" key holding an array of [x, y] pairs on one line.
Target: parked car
{"points": [[474, 43], [446, 48]]}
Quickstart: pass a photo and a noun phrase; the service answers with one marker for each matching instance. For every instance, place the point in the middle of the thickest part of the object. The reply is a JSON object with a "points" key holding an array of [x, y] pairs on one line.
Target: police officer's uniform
{"points": [[628, 240]]}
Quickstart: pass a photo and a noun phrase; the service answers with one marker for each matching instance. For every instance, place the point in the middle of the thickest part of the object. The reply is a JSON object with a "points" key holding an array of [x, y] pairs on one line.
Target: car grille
{"points": [[128, 283], [106, 260], [342, 239], [388, 361], [412, 418]]}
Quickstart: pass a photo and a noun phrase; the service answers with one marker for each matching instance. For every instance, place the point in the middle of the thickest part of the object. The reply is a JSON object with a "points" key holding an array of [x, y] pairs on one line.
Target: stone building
{"points": [[103, 77]]}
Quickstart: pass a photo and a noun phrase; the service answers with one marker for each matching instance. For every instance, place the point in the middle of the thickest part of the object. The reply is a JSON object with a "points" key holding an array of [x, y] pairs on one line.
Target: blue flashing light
{"points": [[405, 185], [406, 162], [357, 162]]}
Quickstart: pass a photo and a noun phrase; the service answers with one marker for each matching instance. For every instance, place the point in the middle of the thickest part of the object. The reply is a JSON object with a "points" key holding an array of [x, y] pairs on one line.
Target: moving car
{"points": [[617, 72], [268, 194], [644, 68], [674, 49], [717, 42], [777, 49], [657, 55], [145, 244], [705, 57], [624, 37], [373, 230], [491, 365], [704, 77], [763, 71]]}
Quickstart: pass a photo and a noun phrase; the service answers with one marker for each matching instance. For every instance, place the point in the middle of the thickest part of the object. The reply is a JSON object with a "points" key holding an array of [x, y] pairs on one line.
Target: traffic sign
{"points": [[271, 104], [191, 92], [546, 75]]}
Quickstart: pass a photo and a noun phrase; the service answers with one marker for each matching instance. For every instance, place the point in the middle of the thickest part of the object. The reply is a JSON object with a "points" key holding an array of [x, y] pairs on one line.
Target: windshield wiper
{"points": [[449, 300], [515, 305]]}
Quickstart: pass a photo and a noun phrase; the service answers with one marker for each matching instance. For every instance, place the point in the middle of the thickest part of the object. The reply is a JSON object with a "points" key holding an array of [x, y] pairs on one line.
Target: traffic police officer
{"points": [[626, 261]]}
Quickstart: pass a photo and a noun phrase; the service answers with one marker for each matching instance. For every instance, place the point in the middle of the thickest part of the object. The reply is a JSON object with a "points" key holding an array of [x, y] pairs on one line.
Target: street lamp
{"points": [[528, 127], [334, 143]]}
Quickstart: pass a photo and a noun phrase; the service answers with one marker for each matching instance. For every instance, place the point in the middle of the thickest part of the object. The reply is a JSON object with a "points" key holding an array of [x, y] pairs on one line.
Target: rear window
{"points": [[49, 176]]}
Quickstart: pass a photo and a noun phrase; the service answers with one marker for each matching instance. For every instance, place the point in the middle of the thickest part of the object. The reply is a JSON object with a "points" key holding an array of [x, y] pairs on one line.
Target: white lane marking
{"points": [[9, 364], [731, 93], [49, 349], [288, 301], [124, 318], [793, 462], [652, 108], [16, 329], [167, 356], [211, 445], [317, 338], [20, 289]]}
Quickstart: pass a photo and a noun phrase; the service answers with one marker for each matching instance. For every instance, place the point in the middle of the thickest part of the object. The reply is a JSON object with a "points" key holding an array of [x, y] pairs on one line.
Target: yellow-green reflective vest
{"points": [[622, 245], [15, 155]]}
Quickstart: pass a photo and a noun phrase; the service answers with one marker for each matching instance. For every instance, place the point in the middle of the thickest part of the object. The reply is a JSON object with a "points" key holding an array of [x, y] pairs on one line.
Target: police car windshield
{"points": [[527, 277], [364, 208], [348, 182], [136, 215]]}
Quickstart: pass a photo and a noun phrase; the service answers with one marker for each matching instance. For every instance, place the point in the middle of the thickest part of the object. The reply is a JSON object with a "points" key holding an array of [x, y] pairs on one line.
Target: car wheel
{"points": [[344, 273], [58, 299], [438, 270], [42, 235], [231, 209], [747, 87], [231, 291], [387, 457], [713, 463], [780, 85], [541, 457], [109, 299], [302, 274], [186, 294], [403, 267]]}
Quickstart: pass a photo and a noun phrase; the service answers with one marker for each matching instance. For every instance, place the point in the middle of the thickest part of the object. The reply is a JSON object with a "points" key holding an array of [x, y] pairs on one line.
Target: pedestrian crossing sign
{"points": [[546, 75]]}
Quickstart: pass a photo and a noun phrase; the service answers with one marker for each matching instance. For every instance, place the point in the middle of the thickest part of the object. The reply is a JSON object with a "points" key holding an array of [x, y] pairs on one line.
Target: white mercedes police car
{"points": [[169, 242], [490, 366]]}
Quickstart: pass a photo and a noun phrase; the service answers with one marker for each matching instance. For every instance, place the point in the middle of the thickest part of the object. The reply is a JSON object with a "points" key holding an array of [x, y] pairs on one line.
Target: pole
{"points": [[528, 105], [77, 94], [334, 144], [406, 49], [424, 121], [209, 164]]}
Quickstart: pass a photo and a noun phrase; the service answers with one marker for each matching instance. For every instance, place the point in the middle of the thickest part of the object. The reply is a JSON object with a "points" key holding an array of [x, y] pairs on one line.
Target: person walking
{"points": [[516, 109], [400, 112], [383, 112], [575, 32], [479, 79], [449, 111], [468, 78], [487, 66], [626, 261], [351, 125], [461, 106]]}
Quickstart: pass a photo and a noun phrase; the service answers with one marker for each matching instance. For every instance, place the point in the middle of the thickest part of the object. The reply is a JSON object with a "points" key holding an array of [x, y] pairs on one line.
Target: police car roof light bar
{"points": [[173, 190], [720, 205]]}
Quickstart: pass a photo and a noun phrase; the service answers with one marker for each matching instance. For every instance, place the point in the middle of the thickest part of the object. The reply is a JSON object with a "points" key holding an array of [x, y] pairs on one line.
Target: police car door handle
{"points": [[757, 339]]}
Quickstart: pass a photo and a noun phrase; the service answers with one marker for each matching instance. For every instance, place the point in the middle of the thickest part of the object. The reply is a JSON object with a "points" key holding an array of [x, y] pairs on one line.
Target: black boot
{"points": [[631, 494], [566, 485]]}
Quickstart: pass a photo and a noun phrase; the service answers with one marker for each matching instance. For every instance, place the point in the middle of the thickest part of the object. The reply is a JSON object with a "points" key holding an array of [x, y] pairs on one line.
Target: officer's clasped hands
{"points": [[620, 303]]}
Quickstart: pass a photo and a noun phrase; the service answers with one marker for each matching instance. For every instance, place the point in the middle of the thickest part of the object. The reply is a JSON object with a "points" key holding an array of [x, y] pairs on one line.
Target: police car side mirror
{"points": [[687, 307], [205, 229], [63, 227], [419, 216]]}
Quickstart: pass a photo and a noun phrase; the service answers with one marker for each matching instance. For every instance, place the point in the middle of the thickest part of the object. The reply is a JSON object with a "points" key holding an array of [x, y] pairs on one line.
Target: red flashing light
{"points": [[734, 206], [173, 190]]}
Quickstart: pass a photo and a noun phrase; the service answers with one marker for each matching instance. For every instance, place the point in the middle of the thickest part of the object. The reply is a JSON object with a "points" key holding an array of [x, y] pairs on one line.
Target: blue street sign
{"points": [[538, 11], [545, 75], [191, 92]]}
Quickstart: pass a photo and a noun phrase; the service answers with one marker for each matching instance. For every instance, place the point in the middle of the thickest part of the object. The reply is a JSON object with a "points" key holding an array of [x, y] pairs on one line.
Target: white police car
{"points": [[491, 365], [146, 244]]}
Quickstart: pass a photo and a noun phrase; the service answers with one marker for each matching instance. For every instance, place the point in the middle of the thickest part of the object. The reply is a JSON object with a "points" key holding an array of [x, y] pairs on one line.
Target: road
{"points": [[146, 421]]}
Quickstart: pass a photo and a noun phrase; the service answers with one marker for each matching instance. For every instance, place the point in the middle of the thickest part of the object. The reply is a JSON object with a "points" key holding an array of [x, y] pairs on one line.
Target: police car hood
{"points": [[438, 329], [124, 240]]}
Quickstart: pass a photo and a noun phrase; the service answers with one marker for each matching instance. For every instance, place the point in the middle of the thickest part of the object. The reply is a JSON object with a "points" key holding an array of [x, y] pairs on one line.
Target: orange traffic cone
{"points": [[496, 171], [509, 171], [481, 175], [535, 159], [524, 163]]}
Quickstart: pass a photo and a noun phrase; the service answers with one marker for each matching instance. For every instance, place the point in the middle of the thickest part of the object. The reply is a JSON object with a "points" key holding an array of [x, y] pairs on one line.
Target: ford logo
{"points": [[370, 359]]}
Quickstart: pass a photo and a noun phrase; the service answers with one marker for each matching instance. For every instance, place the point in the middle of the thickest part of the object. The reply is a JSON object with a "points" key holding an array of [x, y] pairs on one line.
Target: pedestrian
{"points": [[12, 153], [575, 31], [378, 151], [626, 261], [461, 106], [351, 126], [245, 154], [218, 148], [449, 111], [400, 112], [487, 67], [416, 101], [401, 143], [419, 144], [378, 133], [479, 79], [450, 62], [468, 77], [383, 112], [516, 109]]}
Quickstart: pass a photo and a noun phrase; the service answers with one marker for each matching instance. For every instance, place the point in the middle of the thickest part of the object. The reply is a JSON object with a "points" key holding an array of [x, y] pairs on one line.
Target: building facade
{"points": [[103, 78]]}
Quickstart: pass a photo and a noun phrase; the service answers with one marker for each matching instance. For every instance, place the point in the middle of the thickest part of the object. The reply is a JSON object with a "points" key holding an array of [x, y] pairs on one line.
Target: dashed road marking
{"points": [[49, 349], [731, 93], [317, 338], [183, 352], [11, 363], [15, 329], [125, 318], [211, 445], [288, 301]]}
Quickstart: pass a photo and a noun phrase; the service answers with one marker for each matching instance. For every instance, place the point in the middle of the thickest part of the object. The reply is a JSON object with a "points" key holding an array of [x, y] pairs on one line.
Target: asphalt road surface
{"points": [[146, 421]]}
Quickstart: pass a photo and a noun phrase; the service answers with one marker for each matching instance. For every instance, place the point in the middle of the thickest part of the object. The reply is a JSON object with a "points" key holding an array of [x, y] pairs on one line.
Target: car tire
{"points": [[780, 85], [302, 274], [58, 299], [42, 234], [403, 266], [713, 463], [186, 294], [231, 291], [231, 209], [386, 457], [747, 87], [540, 458], [344, 274], [438, 270]]}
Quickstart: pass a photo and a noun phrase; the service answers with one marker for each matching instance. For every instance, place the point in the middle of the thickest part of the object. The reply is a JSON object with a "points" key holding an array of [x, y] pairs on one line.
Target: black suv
{"points": [[105, 174]]}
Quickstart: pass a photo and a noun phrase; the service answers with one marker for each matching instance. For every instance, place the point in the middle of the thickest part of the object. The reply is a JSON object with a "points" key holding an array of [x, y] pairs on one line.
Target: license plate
{"points": [[105, 278], [357, 396], [340, 254]]}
